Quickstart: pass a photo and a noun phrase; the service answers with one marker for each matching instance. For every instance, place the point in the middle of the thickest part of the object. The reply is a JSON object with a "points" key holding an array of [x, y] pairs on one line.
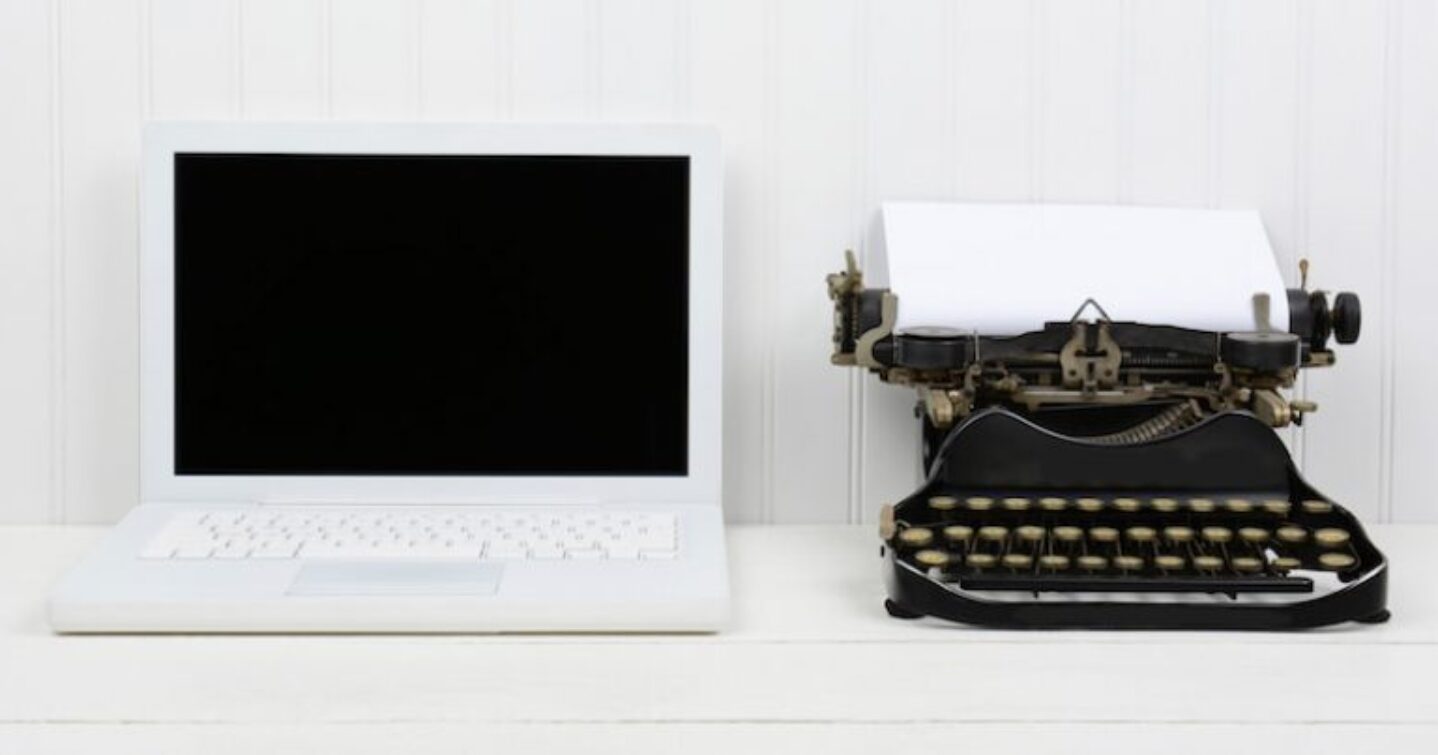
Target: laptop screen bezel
{"points": [[163, 141]]}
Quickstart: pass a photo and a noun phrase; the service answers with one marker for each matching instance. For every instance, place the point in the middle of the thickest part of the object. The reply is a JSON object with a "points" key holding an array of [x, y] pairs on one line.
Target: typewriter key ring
{"points": [[1168, 563], [1278, 507], [1092, 563], [1128, 563], [933, 559], [959, 534], [980, 561], [979, 503], [943, 503], [1208, 564], [1291, 534], [1285, 564], [916, 537], [1201, 505], [1054, 562], [1052, 503], [1336, 561], [1016, 504]]}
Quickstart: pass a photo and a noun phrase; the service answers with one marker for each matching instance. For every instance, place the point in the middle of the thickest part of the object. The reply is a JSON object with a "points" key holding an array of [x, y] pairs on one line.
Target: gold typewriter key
{"points": [[1054, 563], [1129, 505], [958, 533], [1089, 504], [1315, 506], [1217, 534], [1103, 534], [932, 558], [1068, 534], [1030, 533], [1128, 563], [916, 537], [1018, 561], [1200, 505], [993, 534], [1141, 534], [1330, 537], [1169, 562], [1276, 506], [1336, 561], [1239, 505], [1247, 564], [1291, 534], [943, 503], [979, 503], [1016, 504], [1207, 563], [1255, 535], [1165, 505], [1092, 563], [1053, 504], [981, 560], [1286, 564], [1178, 534]]}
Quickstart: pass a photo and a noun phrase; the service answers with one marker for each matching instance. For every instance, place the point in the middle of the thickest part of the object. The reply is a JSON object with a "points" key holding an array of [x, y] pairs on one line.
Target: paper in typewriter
{"points": [[1004, 269]]}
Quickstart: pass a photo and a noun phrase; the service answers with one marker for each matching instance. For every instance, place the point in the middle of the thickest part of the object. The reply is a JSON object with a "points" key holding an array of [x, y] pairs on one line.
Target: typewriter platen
{"points": [[1105, 474]]}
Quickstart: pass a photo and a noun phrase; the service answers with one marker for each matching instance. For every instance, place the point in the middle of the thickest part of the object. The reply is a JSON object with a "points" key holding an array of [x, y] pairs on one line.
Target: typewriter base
{"points": [[914, 596]]}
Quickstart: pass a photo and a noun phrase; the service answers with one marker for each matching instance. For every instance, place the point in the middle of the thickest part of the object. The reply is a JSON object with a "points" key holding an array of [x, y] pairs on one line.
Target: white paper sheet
{"points": [[1004, 269]]}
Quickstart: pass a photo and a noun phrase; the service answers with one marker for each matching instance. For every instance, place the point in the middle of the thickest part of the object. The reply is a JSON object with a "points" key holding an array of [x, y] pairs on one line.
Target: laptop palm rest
{"points": [[396, 578]]}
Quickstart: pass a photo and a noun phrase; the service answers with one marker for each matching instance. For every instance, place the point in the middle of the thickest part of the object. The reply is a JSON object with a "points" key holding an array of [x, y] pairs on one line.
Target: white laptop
{"points": [[422, 378]]}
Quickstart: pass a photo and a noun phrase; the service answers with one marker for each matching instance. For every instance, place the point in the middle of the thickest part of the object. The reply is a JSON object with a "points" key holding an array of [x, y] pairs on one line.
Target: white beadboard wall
{"points": [[1324, 115]]}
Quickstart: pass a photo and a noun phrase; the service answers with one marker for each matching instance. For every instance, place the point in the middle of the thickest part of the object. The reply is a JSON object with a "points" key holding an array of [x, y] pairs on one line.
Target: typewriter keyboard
{"points": [[1221, 544]]}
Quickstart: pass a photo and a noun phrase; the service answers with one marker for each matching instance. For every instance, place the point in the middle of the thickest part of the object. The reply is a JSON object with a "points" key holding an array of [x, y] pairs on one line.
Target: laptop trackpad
{"points": [[396, 578]]}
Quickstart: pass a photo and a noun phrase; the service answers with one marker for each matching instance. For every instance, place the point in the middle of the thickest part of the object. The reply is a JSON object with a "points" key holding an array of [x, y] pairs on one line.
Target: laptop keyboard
{"points": [[276, 533]]}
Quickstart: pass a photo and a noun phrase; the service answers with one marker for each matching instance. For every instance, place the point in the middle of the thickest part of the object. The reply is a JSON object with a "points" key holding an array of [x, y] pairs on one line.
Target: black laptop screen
{"points": [[431, 315]]}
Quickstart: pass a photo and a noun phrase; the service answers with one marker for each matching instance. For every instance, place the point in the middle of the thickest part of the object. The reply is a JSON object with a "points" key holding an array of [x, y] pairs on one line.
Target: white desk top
{"points": [[812, 664]]}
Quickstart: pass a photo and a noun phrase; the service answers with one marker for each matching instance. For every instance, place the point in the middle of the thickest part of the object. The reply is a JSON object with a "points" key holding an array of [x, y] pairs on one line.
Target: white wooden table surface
{"points": [[812, 663]]}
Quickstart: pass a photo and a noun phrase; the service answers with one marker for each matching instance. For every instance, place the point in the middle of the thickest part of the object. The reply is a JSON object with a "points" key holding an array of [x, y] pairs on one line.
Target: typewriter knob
{"points": [[932, 348], [1347, 317], [1263, 351]]}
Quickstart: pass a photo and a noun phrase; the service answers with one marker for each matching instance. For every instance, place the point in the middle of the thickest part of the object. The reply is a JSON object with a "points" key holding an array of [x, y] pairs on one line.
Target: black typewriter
{"points": [[1101, 474]]}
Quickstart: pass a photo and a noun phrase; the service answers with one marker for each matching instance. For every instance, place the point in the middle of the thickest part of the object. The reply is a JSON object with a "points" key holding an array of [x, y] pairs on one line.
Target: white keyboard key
{"points": [[276, 549], [546, 552], [232, 550], [506, 551]]}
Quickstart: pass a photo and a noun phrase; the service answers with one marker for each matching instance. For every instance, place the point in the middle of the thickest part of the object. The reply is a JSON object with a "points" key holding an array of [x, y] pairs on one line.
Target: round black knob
{"points": [[1347, 317], [932, 348], [1265, 352]]}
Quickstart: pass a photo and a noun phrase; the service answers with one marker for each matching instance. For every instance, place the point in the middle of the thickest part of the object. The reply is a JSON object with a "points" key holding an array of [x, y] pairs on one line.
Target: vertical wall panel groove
{"points": [[1392, 23], [58, 378]]}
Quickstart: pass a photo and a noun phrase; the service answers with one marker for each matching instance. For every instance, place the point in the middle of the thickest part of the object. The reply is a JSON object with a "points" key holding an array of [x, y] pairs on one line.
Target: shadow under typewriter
{"points": [[1209, 527]]}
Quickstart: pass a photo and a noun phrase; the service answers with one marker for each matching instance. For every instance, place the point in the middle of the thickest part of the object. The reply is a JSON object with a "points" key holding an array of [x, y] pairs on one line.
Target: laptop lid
{"points": [[430, 313]]}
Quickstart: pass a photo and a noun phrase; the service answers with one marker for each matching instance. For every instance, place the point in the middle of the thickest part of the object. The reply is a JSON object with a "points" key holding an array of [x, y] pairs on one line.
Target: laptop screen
{"points": [[431, 315]]}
